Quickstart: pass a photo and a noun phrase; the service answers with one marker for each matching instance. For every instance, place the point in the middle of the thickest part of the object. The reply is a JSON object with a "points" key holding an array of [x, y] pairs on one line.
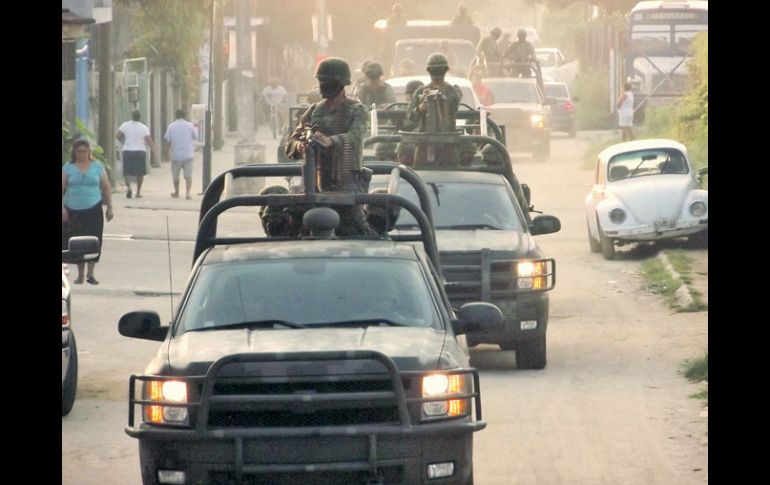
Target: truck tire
{"points": [[530, 354], [593, 244], [70, 384], [572, 132]]}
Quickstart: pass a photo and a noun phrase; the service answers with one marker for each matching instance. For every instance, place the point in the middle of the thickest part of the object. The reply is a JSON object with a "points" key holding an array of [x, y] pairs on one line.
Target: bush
{"points": [[593, 109]]}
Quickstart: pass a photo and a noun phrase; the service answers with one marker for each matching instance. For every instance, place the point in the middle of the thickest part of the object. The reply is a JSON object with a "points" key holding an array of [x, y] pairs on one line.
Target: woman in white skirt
{"points": [[625, 106]]}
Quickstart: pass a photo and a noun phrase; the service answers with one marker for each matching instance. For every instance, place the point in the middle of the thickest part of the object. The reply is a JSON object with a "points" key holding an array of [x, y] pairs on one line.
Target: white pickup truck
{"points": [[553, 64]]}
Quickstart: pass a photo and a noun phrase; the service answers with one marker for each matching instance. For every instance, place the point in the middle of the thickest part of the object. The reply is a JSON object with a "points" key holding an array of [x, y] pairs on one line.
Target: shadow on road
{"points": [[490, 357]]}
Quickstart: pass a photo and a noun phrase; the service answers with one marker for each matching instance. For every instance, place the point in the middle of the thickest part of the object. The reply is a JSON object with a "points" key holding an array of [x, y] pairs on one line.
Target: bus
{"points": [[657, 46]]}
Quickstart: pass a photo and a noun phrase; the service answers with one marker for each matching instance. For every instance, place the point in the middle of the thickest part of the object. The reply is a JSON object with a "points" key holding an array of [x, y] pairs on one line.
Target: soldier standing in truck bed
{"points": [[340, 124], [433, 108], [375, 90]]}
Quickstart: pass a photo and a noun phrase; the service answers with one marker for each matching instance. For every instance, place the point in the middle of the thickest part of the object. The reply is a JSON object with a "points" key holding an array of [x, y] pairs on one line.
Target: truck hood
{"points": [[654, 197], [464, 240], [412, 348]]}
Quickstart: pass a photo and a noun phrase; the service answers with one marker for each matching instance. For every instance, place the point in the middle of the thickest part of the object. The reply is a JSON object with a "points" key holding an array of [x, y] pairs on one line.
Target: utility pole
{"points": [[245, 79], [106, 135], [206, 179], [219, 64]]}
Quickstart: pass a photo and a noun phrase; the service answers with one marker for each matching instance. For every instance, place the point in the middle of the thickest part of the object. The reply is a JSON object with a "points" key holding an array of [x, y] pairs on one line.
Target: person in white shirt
{"points": [[181, 136], [625, 106], [136, 140], [275, 95]]}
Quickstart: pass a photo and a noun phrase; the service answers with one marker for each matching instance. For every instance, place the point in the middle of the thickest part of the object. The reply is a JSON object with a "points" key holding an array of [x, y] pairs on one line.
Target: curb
{"points": [[683, 296]]}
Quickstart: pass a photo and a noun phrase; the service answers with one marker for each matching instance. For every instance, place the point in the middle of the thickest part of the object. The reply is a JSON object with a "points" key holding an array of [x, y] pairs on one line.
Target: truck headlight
{"points": [[698, 208], [534, 275], [537, 120], [444, 385], [170, 391], [617, 215]]}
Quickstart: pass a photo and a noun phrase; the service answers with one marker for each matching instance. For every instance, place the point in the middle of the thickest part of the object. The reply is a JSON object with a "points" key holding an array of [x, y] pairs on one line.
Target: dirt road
{"points": [[611, 407]]}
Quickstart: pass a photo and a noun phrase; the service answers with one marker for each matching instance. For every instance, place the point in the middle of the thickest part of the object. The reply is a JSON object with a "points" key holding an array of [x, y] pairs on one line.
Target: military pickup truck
{"points": [[485, 241], [312, 359]]}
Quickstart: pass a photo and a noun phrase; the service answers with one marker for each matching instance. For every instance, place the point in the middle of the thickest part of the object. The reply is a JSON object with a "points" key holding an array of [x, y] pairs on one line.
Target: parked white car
{"points": [[644, 190]]}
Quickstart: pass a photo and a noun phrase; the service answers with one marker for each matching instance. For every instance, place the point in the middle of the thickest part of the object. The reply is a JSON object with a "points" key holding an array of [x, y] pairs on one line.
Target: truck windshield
{"points": [[462, 205], [309, 292]]}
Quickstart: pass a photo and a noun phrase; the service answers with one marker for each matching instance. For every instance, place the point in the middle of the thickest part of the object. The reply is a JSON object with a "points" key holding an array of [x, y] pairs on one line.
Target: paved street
{"points": [[610, 408]]}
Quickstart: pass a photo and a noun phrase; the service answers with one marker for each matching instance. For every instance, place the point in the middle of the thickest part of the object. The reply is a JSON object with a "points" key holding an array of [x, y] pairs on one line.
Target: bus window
{"points": [[651, 37], [684, 34]]}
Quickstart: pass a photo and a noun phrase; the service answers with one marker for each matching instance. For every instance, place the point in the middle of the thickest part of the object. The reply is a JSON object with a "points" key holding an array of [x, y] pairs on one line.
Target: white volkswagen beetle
{"points": [[644, 190]]}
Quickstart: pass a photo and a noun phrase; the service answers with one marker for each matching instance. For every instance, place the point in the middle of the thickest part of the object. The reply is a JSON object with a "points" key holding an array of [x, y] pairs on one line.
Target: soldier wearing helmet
{"points": [[462, 17], [338, 125], [433, 108], [397, 19], [405, 153], [385, 151], [521, 52], [382, 218], [275, 220], [487, 53], [375, 90]]}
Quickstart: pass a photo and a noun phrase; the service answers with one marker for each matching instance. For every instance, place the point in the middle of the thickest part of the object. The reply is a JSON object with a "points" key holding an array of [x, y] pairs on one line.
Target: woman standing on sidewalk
{"points": [[84, 188]]}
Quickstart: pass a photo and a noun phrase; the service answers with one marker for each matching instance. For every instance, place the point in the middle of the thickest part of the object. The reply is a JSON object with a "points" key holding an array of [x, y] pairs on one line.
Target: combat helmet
{"points": [[334, 68], [521, 34], [437, 59], [274, 219], [382, 218], [374, 70]]}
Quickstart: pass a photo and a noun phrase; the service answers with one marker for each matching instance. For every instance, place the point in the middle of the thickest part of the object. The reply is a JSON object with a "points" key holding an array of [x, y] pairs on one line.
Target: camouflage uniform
{"points": [[520, 51], [345, 125], [339, 165], [447, 102], [487, 52], [379, 95], [375, 91]]}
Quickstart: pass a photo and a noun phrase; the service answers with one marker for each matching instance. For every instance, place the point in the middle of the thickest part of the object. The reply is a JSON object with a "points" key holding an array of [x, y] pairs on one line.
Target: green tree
{"points": [[171, 33]]}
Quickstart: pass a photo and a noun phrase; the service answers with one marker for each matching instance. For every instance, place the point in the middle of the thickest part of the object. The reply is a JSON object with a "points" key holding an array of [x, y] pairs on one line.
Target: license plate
{"points": [[665, 223]]}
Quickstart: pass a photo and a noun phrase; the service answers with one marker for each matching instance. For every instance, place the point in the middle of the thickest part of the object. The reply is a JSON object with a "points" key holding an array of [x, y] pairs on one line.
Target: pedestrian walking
{"points": [[181, 136], [137, 142], [625, 106], [84, 189]]}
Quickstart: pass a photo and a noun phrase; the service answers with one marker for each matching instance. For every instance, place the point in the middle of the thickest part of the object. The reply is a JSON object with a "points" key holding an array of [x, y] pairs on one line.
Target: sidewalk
{"points": [[157, 186]]}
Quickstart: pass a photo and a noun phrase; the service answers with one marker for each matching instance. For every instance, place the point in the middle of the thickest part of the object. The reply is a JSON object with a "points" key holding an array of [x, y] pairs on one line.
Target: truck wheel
{"points": [[607, 244], [572, 132], [595, 245], [530, 354], [541, 155], [70, 384]]}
